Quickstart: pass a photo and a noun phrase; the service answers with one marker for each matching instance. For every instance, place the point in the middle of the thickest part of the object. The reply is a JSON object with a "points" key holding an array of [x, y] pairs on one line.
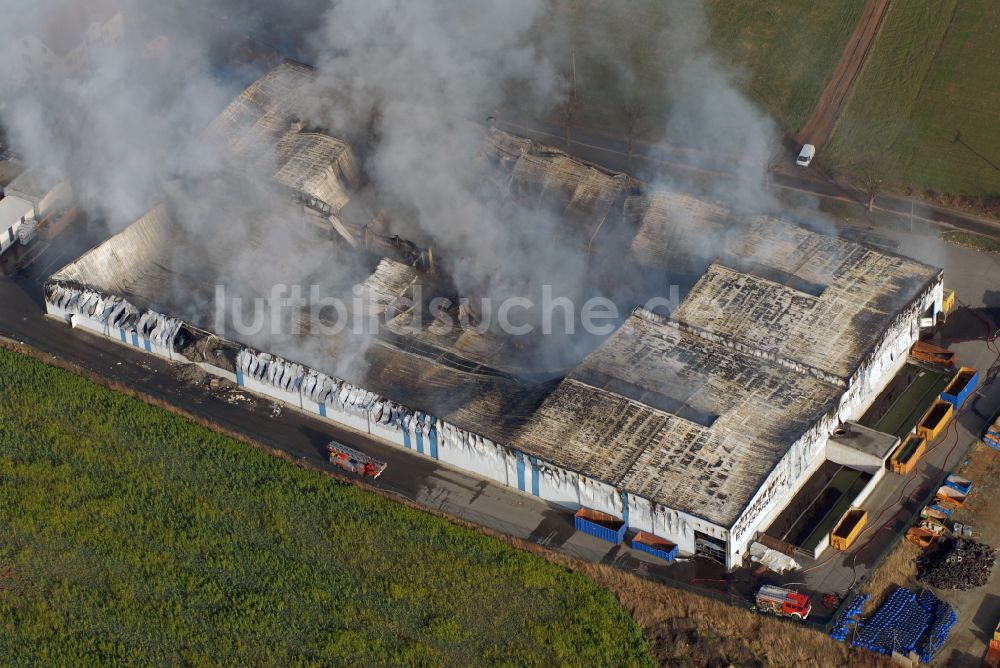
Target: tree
{"points": [[871, 183], [870, 176]]}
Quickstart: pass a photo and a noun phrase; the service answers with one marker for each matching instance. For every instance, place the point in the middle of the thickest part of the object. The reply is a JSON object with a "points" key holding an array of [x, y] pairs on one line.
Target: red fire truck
{"points": [[783, 602], [354, 461]]}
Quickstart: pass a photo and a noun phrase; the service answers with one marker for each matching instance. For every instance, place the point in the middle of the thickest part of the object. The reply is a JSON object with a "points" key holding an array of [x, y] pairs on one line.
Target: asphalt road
{"points": [[648, 161]]}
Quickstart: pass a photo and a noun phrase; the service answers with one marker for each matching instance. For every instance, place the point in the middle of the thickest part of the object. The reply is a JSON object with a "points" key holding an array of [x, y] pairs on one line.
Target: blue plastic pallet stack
{"points": [[929, 601], [897, 625], [904, 623], [911, 624], [848, 617], [944, 619], [878, 632]]}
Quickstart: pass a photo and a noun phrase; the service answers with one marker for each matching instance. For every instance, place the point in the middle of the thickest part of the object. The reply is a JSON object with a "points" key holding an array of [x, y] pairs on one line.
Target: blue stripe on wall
{"points": [[418, 432], [322, 410], [135, 339], [239, 376], [406, 438], [434, 438], [148, 345], [534, 476], [121, 333], [520, 470]]}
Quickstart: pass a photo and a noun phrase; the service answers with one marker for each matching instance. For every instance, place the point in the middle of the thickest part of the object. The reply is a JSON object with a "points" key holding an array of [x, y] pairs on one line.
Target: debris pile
{"points": [[848, 617], [962, 564]]}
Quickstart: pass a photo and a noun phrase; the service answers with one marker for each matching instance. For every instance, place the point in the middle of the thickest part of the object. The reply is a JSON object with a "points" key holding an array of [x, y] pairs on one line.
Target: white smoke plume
{"points": [[409, 84]]}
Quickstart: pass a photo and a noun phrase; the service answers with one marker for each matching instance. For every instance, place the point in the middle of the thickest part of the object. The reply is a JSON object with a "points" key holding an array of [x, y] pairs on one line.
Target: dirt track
{"points": [[819, 125]]}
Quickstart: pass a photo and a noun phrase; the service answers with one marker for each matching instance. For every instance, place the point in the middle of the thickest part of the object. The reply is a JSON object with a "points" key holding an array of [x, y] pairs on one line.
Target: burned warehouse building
{"points": [[697, 423]]}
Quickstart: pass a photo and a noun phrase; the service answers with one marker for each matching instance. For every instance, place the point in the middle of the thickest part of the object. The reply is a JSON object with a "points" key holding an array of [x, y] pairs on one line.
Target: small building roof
{"points": [[865, 440], [34, 184], [12, 210]]}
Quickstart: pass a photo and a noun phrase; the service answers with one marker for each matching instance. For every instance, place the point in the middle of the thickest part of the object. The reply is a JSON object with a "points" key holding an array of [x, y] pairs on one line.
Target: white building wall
{"points": [[600, 496], [13, 212], [470, 452], [870, 487], [88, 323], [559, 486], [59, 197]]}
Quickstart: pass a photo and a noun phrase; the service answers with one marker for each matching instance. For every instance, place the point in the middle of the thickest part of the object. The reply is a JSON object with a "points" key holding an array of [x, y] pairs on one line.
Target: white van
{"points": [[806, 155]]}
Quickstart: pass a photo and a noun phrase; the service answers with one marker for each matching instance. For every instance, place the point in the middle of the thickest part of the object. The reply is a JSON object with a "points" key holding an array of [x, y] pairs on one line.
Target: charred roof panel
{"points": [[261, 114], [831, 326], [708, 471], [673, 227], [122, 264], [318, 166]]}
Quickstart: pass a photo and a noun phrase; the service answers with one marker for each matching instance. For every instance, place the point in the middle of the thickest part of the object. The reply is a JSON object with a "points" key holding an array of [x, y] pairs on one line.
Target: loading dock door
{"points": [[709, 547]]}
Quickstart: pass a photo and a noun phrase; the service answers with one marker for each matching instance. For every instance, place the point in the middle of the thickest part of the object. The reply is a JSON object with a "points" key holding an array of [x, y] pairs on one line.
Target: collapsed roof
{"points": [[254, 122], [318, 166]]}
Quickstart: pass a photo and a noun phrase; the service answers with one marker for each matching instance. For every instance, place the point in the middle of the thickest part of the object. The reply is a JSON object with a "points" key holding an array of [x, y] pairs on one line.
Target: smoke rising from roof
{"points": [[406, 84]]}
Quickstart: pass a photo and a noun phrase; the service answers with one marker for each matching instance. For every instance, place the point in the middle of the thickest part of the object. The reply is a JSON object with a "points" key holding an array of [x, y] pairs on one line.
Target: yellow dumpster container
{"points": [[907, 454], [934, 421], [948, 303], [848, 528]]}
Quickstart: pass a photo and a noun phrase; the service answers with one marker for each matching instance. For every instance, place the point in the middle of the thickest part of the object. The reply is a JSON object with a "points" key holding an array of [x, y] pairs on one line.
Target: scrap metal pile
{"points": [[962, 564], [905, 623]]}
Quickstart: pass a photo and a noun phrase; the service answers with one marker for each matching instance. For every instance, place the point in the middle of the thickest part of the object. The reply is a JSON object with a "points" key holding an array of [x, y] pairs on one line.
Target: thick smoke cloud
{"points": [[409, 84], [424, 71]]}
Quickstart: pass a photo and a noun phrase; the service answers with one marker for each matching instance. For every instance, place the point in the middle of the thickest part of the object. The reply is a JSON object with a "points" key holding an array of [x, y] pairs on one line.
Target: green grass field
{"points": [[788, 47], [782, 50], [926, 101], [129, 535], [970, 240]]}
